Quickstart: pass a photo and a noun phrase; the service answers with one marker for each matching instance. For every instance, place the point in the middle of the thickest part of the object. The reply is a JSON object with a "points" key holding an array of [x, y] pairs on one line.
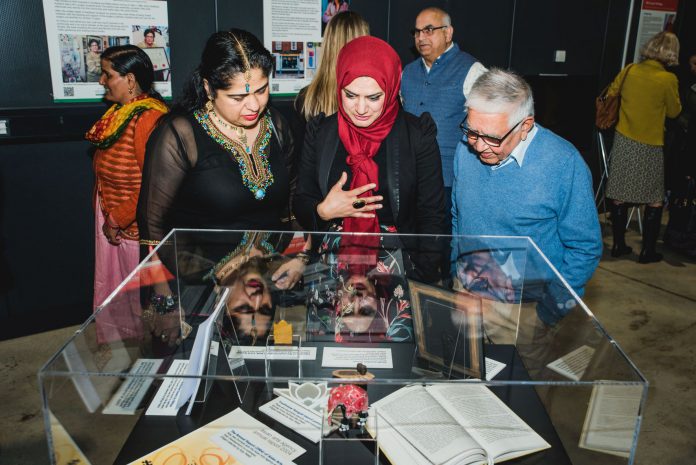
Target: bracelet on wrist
{"points": [[164, 304], [303, 257]]}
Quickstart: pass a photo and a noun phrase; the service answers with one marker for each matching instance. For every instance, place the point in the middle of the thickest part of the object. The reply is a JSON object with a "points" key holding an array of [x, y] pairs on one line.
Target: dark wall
{"points": [[24, 57], [46, 181], [46, 236]]}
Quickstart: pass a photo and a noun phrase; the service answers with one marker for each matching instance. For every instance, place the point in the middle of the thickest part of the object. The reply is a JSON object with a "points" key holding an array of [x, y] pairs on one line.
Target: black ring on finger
{"points": [[359, 203]]}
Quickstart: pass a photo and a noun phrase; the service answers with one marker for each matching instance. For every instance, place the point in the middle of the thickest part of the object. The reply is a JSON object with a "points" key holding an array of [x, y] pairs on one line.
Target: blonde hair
{"points": [[663, 47], [321, 95]]}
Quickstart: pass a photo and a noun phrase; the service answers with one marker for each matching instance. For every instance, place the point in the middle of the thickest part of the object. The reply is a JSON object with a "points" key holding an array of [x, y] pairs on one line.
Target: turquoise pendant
{"points": [[247, 88], [259, 194]]}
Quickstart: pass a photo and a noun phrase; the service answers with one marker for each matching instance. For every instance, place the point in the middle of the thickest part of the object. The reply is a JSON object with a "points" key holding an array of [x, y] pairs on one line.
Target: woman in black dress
{"points": [[373, 167], [224, 161], [221, 160]]}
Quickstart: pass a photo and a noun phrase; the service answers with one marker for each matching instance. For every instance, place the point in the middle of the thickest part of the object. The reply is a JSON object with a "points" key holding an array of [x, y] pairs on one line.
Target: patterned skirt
{"points": [[636, 171]]}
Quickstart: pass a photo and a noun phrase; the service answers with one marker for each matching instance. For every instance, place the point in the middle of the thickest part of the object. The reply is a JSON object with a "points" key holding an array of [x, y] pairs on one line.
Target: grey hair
{"points": [[446, 20], [502, 91]]}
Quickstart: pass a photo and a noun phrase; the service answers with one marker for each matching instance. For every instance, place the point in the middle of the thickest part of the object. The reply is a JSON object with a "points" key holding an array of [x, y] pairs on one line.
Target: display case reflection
{"points": [[370, 306], [250, 305]]}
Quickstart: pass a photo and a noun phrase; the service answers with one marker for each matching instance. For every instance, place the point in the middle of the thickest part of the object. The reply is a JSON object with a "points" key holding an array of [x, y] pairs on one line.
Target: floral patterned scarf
{"points": [[110, 126]]}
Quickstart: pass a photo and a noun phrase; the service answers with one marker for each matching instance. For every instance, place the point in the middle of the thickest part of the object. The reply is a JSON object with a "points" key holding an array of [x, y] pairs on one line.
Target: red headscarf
{"points": [[372, 57]]}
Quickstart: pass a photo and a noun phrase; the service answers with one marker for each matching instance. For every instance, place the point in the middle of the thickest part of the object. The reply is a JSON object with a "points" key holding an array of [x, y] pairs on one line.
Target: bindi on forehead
{"points": [[240, 87]]}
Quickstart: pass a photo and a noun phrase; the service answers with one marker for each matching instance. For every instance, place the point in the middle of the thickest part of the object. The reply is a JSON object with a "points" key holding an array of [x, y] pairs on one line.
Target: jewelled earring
{"points": [[209, 106]]}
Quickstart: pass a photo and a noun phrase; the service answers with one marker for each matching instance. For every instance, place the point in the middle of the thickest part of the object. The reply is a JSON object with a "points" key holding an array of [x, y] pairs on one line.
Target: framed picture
{"points": [[449, 330]]}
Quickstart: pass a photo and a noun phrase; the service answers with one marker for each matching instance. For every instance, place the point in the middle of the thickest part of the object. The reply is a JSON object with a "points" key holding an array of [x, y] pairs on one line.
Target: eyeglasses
{"points": [[490, 141], [427, 30]]}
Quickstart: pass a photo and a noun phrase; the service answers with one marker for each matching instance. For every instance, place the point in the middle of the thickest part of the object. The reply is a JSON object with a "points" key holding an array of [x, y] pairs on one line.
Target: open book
{"points": [[450, 424]]}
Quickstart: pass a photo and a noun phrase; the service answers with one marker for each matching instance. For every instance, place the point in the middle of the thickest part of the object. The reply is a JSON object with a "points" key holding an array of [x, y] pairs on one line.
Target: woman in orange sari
{"points": [[120, 137]]}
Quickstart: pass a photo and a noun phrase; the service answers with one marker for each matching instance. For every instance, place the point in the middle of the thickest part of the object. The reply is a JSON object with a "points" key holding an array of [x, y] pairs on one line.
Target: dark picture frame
{"points": [[448, 329]]}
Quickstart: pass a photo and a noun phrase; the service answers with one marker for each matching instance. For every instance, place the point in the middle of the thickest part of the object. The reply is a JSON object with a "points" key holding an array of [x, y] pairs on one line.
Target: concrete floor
{"points": [[650, 310]]}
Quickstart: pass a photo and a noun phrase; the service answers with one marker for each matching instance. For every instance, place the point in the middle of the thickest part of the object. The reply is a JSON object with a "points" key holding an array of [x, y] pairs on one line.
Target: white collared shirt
{"points": [[518, 152], [427, 68]]}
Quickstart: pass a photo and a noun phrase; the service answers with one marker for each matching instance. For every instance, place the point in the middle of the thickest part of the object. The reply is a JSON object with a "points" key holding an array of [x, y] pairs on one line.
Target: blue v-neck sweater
{"points": [[548, 198]]}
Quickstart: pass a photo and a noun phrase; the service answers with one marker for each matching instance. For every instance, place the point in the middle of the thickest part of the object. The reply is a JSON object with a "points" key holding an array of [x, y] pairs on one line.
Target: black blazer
{"points": [[415, 184]]}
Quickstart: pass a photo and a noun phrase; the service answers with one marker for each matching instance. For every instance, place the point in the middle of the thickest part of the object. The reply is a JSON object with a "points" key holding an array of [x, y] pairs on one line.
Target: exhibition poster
{"points": [[292, 32], [78, 31], [655, 16]]}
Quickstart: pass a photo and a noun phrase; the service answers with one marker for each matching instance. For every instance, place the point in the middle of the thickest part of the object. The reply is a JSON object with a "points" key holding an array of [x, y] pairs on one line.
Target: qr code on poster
{"points": [[275, 87], [68, 91]]}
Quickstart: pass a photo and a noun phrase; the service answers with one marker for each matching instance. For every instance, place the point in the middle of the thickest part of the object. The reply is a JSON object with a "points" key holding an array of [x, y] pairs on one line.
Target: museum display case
{"points": [[270, 347]]}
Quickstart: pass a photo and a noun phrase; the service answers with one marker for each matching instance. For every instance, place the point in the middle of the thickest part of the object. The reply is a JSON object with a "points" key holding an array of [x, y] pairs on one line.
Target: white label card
{"points": [[278, 353], [167, 395], [253, 443], [349, 357], [295, 417], [128, 396]]}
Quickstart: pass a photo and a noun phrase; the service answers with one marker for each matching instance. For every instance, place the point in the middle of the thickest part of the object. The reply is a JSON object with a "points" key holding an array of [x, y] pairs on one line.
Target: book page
{"points": [[488, 420], [425, 424], [611, 419], [573, 365], [493, 367], [397, 448]]}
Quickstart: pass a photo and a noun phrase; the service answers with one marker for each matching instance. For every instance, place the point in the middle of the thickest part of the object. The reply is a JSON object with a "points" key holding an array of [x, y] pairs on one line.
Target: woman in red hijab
{"points": [[372, 167]]}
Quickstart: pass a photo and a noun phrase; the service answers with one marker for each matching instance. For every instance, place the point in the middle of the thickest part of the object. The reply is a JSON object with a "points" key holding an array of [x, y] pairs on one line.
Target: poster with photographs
{"points": [[292, 33], [655, 16], [78, 33]]}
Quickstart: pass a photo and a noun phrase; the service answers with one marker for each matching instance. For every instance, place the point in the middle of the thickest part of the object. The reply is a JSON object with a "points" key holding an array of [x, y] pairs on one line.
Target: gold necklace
{"points": [[254, 164], [241, 132]]}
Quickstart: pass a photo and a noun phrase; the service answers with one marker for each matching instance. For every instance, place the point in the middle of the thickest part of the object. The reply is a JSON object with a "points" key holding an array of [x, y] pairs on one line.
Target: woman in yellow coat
{"points": [[636, 174]]}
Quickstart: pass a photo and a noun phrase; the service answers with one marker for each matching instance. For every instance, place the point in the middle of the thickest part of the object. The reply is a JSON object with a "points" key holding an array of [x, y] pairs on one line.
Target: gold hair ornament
{"points": [[245, 59]]}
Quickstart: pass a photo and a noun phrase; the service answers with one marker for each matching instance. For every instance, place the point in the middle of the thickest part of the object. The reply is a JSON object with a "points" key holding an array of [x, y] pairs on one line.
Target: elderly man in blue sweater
{"points": [[513, 177]]}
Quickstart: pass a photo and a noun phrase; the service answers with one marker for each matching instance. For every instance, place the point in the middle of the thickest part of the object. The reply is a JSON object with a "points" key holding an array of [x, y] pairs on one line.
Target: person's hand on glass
{"points": [[289, 273], [341, 204]]}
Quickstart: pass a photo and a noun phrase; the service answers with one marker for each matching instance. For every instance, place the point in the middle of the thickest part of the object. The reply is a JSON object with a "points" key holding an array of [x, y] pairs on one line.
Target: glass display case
{"points": [[271, 347]]}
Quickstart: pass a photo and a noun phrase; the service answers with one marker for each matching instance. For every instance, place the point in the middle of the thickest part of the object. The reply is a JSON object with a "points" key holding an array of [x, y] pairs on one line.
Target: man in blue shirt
{"points": [[512, 177], [438, 81]]}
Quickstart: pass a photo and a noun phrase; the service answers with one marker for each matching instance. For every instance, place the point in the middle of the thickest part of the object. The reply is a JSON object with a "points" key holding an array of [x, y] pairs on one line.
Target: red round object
{"points": [[351, 396]]}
